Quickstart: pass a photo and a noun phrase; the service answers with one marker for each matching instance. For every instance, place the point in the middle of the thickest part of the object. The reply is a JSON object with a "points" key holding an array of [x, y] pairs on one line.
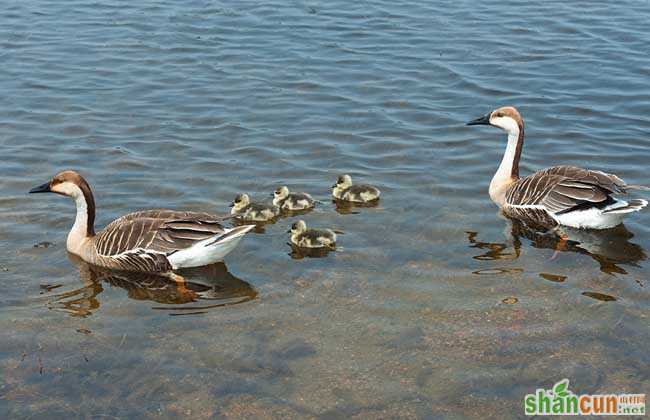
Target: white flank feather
{"points": [[209, 250], [595, 218]]}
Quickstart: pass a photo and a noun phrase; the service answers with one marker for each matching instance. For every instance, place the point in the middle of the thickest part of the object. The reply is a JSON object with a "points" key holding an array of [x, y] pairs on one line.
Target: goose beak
{"points": [[231, 205], [334, 186], [484, 120], [41, 189]]}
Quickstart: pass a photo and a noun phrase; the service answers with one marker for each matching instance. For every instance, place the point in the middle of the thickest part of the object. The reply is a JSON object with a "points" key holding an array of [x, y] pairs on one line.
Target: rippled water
{"points": [[433, 304]]}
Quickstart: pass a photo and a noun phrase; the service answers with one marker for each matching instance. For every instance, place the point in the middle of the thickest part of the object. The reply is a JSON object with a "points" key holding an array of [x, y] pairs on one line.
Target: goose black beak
{"points": [[334, 186], [41, 189], [484, 120], [231, 205]]}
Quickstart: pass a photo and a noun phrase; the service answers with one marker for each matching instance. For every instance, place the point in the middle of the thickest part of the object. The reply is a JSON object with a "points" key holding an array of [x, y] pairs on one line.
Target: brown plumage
{"points": [[559, 195], [143, 240], [164, 231], [563, 188], [154, 241]]}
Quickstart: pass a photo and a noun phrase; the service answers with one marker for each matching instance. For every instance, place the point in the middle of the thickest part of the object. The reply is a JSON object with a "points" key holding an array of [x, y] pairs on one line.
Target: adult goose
{"points": [[153, 241], [561, 195]]}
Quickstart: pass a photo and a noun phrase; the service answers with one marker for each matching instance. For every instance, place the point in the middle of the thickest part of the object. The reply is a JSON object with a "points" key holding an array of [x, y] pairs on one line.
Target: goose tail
{"points": [[210, 250], [637, 187], [631, 206], [229, 235]]}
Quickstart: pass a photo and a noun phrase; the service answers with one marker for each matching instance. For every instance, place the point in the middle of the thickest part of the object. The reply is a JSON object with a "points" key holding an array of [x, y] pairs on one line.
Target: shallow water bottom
{"points": [[345, 353]]}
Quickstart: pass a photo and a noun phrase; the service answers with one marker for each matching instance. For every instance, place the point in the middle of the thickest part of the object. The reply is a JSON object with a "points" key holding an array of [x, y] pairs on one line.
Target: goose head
{"points": [[343, 181], [71, 184], [298, 227], [68, 183], [281, 193], [506, 118], [240, 201]]}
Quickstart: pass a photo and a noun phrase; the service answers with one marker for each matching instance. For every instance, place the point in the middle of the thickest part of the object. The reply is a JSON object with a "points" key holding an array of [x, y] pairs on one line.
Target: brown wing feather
{"points": [[162, 231], [609, 182], [562, 188]]}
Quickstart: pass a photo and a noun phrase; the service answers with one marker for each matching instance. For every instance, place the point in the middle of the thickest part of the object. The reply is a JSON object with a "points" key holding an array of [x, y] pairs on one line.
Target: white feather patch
{"points": [[199, 254]]}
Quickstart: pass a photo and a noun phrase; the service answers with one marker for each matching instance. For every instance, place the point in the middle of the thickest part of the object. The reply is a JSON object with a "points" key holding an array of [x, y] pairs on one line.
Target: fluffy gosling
{"points": [[343, 190], [292, 201], [311, 238], [244, 210]]}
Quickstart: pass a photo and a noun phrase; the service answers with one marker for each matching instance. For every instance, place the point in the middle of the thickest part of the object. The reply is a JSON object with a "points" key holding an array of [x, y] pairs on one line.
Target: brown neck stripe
{"points": [[90, 208], [520, 144]]}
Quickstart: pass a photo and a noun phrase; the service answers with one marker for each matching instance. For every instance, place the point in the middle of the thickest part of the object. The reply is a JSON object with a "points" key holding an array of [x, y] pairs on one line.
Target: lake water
{"points": [[433, 304]]}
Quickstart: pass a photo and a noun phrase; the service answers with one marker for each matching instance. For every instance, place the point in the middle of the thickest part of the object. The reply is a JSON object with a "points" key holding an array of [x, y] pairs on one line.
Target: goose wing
{"points": [[563, 188], [156, 231]]}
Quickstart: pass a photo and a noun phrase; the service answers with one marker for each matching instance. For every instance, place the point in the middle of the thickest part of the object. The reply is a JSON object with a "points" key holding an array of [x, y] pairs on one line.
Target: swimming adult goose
{"points": [[561, 195], [153, 241]]}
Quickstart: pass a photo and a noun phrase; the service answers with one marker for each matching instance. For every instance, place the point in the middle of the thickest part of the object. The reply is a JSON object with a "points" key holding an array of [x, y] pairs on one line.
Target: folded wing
{"points": [[564, 188], [157, 231]]}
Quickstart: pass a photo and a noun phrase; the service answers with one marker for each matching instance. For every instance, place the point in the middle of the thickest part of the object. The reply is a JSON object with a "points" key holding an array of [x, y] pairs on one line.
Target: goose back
{"points": [[161, 231], [559, 190]]}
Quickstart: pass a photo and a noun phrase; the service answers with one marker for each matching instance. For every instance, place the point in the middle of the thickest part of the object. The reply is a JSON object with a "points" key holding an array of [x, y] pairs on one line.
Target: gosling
{"points": [[244, 210], [311, 238], [343, 190], [292, 201]]}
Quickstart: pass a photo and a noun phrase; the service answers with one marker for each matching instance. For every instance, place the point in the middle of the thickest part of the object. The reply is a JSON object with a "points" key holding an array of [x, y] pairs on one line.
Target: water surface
{"points": [[433, 304]]}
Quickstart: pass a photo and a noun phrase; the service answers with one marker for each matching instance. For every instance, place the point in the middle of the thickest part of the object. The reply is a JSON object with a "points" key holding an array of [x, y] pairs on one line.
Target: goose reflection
{"points": [[346, 207], [205, 287], [610, 248]]}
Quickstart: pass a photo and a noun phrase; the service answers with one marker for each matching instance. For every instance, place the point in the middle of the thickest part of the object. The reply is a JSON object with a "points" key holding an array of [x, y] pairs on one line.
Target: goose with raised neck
{"points": [[560, 195], [154, 241]]}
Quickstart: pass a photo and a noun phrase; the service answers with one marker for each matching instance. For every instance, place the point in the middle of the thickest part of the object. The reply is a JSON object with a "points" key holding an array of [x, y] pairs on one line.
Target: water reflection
{"points": [[205, 287], [259, 226], [610, 248], [346, 207], [298, 253]]}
